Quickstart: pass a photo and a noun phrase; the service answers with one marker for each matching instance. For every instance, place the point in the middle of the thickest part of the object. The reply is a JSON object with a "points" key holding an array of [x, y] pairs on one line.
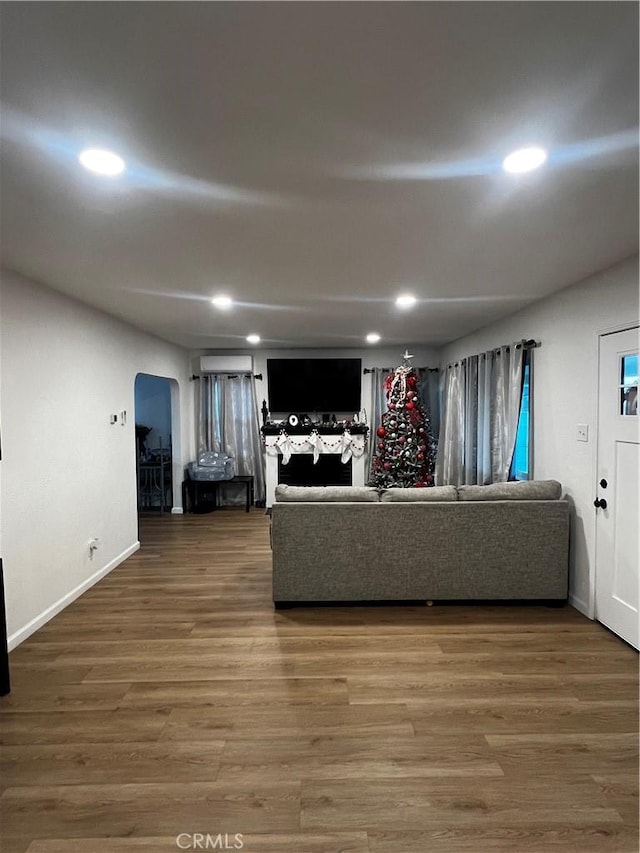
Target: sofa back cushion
{"points": [[431, 493], [342, 494], [525, 490]]}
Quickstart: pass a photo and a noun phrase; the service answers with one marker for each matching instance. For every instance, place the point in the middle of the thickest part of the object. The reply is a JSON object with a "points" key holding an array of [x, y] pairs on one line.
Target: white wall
{"points": [[567, 325], [67, 474]]}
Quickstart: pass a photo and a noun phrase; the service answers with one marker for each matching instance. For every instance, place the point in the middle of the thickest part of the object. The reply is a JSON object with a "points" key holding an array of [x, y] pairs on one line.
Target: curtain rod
{"points": [[228, 375], [391, 369], [530, 344]]}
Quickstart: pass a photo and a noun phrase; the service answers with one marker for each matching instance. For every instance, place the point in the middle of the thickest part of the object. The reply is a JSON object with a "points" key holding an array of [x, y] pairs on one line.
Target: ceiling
{"points": [[313, 160]]}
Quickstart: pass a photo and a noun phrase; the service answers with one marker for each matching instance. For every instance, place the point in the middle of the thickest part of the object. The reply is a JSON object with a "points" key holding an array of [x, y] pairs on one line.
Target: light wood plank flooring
{"points": [[171, 699]]}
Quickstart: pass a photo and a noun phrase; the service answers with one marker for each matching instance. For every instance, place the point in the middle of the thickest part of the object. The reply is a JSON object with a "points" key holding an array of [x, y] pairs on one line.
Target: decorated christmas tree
{"points": [[405, 446]]}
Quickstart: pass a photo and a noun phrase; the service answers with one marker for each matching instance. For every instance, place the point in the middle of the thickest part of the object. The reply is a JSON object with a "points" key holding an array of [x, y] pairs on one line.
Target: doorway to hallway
{"points": [[154, 443]]}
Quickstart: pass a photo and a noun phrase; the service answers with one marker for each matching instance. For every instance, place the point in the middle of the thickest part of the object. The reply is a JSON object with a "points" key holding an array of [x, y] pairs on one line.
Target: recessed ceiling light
{"points": [[405, 300], [222, 301], [253, 339], [101, 162], [373, 338], [524, 160]]}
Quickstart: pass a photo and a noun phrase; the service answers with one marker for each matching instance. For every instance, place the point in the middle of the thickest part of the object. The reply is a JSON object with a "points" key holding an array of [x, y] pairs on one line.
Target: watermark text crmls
{"points": [[207, 841]]}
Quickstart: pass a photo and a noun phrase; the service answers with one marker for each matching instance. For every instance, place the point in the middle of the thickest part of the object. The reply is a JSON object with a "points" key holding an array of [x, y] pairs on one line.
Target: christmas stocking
{"points": [[284, 445], [316, 442], [347, 450]]}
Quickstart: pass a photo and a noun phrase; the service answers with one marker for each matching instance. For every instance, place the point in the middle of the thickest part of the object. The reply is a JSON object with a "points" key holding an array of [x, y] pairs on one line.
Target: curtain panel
{"points": [[450, 458], [429, 393], [480, 410], [228, 422], [377, 407]]}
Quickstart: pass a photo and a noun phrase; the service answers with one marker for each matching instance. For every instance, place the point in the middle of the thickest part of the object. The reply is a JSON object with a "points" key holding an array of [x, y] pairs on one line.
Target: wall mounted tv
{"points": [[309, 385]]}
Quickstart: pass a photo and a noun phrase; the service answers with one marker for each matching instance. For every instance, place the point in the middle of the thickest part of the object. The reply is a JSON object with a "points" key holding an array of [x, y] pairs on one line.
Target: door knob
{"points": [[600, 503], [603, 484]]}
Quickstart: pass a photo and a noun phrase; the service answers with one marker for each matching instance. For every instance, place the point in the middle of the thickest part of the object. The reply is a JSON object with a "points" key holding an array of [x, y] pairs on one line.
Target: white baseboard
{"points": [[176, 510], [31, 627], [580, 605]]}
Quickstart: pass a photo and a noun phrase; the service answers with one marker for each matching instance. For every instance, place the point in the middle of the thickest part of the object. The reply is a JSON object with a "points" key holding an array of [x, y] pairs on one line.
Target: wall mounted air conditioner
{"points": [[226, 364]]}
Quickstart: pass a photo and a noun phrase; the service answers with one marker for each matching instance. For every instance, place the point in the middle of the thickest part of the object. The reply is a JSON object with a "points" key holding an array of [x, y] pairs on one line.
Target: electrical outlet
{"points": [[582, 432]]}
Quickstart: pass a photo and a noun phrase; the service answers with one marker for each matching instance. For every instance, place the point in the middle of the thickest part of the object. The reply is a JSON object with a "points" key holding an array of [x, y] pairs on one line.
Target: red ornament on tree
{"points": [[381, 432], [409, 405]]}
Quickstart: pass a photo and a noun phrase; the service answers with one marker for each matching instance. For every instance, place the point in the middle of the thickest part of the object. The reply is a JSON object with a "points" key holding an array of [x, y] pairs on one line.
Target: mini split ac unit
{"points": [[226, 364]]}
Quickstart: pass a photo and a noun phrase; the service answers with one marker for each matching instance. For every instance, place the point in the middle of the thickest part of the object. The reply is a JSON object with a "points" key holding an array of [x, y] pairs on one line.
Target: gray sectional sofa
{"points": [[505, 541]]}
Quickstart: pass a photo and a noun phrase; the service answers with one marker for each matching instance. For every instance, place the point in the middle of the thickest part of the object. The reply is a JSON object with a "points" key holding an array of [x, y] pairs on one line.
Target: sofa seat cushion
{"points": [[525, 490], [431, 493], [321, 494]]}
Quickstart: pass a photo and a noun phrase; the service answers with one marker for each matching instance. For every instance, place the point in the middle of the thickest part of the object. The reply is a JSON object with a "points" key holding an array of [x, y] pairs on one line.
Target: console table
{"points": [[194, 492]]}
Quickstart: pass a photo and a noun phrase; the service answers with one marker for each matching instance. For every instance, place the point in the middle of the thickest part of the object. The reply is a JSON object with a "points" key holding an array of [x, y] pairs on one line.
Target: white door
{"points": [[617, 574]]}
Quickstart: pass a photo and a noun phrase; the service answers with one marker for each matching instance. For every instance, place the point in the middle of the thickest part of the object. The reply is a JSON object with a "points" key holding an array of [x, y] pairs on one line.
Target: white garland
{"points": [[400, 376], [346, 445]]}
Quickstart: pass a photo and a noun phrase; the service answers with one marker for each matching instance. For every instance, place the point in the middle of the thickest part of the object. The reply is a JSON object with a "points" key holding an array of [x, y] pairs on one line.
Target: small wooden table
{"points": [[194, 492]]}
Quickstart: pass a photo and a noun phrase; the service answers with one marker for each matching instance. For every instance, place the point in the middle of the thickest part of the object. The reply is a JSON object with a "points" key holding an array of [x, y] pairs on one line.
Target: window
{"points": [[629, 384], [522, 455]]}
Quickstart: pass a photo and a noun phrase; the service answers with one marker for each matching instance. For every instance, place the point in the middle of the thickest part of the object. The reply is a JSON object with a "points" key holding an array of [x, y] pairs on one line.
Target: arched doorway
{"points": [[157, 423]]}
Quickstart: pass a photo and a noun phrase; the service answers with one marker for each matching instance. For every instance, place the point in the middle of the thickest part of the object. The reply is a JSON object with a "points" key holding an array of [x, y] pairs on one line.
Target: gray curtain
{"points": [[450, 458], [429, 392], [377, 406], [506, 394], [481, 405], [228, 421]]}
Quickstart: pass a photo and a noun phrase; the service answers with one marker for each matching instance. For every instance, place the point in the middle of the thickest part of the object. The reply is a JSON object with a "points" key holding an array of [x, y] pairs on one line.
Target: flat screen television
{"points": [[307, 385]]}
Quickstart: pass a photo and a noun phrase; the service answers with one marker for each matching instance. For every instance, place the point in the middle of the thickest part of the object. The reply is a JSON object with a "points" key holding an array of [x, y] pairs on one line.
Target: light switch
{"points": [[582, 432]]}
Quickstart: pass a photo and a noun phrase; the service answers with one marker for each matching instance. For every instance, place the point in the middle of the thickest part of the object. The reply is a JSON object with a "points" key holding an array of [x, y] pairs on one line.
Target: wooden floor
{"points": [[171, 700]]}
